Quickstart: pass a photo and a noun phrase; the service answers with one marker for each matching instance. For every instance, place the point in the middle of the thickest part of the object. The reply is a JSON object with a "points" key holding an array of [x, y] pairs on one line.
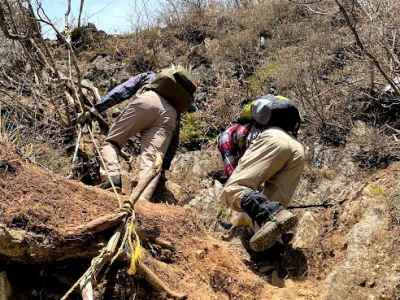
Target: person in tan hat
{"points": [[263, 161], [155, 102]]}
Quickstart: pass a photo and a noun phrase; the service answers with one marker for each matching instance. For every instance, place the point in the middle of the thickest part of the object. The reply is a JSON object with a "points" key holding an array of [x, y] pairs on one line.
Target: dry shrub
{"points": [[311, 56], [375, 148], [394, 205]]}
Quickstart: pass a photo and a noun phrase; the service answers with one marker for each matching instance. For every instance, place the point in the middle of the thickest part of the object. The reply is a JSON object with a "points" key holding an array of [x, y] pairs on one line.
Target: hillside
{"points": [[338, 60]]}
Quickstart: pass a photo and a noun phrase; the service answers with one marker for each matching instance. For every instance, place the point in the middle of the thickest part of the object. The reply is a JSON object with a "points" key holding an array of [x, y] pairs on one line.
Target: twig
{"points": [[364, 49], [80, 13]]}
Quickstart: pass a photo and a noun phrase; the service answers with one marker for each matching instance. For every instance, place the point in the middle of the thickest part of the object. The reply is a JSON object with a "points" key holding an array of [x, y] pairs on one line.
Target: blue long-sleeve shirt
{"points": [[124, 91]]}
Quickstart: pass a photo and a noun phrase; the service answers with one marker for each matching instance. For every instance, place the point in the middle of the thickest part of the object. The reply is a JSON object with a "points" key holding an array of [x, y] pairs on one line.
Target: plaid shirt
{"points": [[232, 143]]}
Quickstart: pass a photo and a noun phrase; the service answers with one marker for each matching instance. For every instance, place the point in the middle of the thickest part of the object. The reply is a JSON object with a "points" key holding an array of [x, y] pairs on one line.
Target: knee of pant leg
{"points": [[150, 160]]}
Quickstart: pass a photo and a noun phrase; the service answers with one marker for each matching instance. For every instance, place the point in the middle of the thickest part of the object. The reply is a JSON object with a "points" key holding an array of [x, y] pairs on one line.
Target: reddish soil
{"points": [[39, 201], [202, 266], [196, 263]]}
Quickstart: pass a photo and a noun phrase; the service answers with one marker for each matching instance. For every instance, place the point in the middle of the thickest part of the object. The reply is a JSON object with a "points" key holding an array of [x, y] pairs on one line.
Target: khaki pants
{"points": [[5, 288], [274, 159], [155, 119]]}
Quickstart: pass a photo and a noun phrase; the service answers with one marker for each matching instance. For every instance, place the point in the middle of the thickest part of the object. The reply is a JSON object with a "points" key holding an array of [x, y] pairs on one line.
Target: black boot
{"points": [[116, 180], [270, 216], [259, 207]]}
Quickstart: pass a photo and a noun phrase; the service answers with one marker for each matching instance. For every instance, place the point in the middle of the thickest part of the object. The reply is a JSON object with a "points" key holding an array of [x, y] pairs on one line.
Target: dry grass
{"points": [[311, 56], [8, 135]]}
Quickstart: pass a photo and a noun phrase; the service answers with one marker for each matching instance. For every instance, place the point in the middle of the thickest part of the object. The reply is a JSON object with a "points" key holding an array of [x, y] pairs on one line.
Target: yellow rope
{"points": [[134, 247]]}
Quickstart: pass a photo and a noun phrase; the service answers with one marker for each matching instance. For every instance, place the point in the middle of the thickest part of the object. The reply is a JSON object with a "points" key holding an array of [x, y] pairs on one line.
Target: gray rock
{"points": [[191, 169], [307, 232], [106, 72], [370, 269]]}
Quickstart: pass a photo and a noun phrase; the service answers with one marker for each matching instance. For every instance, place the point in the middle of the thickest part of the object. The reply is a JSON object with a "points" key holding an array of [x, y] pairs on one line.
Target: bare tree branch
{"points": [[363, 48], [80, 13]]}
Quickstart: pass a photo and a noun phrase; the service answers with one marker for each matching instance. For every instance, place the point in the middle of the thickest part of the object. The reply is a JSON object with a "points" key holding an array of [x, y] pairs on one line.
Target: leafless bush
{"points": [[375, 147]]}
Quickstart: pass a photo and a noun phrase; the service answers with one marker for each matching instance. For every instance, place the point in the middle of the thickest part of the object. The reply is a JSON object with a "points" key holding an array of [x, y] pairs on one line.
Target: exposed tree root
{"points": [[157, 283]]}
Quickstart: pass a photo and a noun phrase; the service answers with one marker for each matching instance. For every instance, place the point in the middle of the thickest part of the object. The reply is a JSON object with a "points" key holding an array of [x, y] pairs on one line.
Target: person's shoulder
{"points": [[276, 132], [281, 137]]}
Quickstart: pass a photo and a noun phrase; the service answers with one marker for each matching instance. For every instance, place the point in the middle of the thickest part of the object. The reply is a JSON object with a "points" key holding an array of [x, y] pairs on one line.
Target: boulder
{"points": [[308, 231], [370, 268]]}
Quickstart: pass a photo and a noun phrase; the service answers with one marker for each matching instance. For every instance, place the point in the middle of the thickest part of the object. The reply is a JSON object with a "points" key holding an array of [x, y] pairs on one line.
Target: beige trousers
{"points": [[5, 288], [155, 119], [274, 159]]}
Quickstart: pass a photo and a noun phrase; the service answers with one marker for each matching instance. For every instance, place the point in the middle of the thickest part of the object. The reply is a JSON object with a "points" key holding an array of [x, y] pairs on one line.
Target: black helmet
{"points": [[284, 114]]}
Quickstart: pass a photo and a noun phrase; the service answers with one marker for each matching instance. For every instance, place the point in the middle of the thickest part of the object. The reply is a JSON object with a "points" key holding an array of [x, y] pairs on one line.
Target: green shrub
{"points": [[261, 77], [192, 129]]}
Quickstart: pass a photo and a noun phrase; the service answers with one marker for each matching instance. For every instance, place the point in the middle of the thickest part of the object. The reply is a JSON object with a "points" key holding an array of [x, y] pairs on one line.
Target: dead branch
{"points": [[98, 225], [157, 283], [316, 205], [43, 17], [364, 49], [67, 14], [80, 13]]}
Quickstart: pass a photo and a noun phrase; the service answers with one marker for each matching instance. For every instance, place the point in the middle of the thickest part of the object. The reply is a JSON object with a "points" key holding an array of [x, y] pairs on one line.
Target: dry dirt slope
{"points": [[36, 208], [352, 248]]}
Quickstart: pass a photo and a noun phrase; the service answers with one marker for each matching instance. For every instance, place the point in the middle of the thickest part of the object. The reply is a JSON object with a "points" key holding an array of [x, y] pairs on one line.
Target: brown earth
{"points": [[45, 205], [38, 201], [350, 249]]}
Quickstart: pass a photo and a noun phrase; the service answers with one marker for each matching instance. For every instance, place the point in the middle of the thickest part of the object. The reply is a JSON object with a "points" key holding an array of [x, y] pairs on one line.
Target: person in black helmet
{"points": [[263, 161]]}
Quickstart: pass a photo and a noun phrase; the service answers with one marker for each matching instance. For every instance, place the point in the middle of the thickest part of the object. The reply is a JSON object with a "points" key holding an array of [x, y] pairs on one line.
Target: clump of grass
{"points": [[192, 129], [8, 133], [376, 190], [261, 77]]}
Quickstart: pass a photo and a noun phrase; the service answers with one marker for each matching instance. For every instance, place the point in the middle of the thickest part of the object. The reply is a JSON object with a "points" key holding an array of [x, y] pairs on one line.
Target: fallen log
{"points": [[24, 246]]}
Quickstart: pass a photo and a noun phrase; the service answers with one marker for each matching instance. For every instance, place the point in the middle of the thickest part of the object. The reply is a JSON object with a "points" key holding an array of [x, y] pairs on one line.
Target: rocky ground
{"points": [[345, 251], [347, 242]]}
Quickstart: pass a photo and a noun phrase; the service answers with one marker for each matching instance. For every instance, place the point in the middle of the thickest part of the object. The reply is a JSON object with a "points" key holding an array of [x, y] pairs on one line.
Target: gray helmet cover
{"points": [[261, 109]]}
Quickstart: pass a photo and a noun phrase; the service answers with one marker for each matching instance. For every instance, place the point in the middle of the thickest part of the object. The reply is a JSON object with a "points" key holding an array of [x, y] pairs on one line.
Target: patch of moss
{"points": [[258, 81]]}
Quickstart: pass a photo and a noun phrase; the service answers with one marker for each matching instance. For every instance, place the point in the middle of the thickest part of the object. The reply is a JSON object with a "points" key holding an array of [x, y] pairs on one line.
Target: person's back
{"points": [[152, 112]]}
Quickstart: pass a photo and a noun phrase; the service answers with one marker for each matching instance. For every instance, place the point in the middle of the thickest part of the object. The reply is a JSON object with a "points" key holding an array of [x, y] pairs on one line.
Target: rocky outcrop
{"points": [[370, 268], [308, 232]]}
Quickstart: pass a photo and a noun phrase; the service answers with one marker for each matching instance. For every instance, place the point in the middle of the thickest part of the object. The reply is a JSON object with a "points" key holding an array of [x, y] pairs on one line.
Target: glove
{"points": [[87, 116]]}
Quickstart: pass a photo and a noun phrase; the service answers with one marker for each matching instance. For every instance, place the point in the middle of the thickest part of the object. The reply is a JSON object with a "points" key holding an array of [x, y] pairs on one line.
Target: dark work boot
{"points": [[270, 216], [116, 180]]}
